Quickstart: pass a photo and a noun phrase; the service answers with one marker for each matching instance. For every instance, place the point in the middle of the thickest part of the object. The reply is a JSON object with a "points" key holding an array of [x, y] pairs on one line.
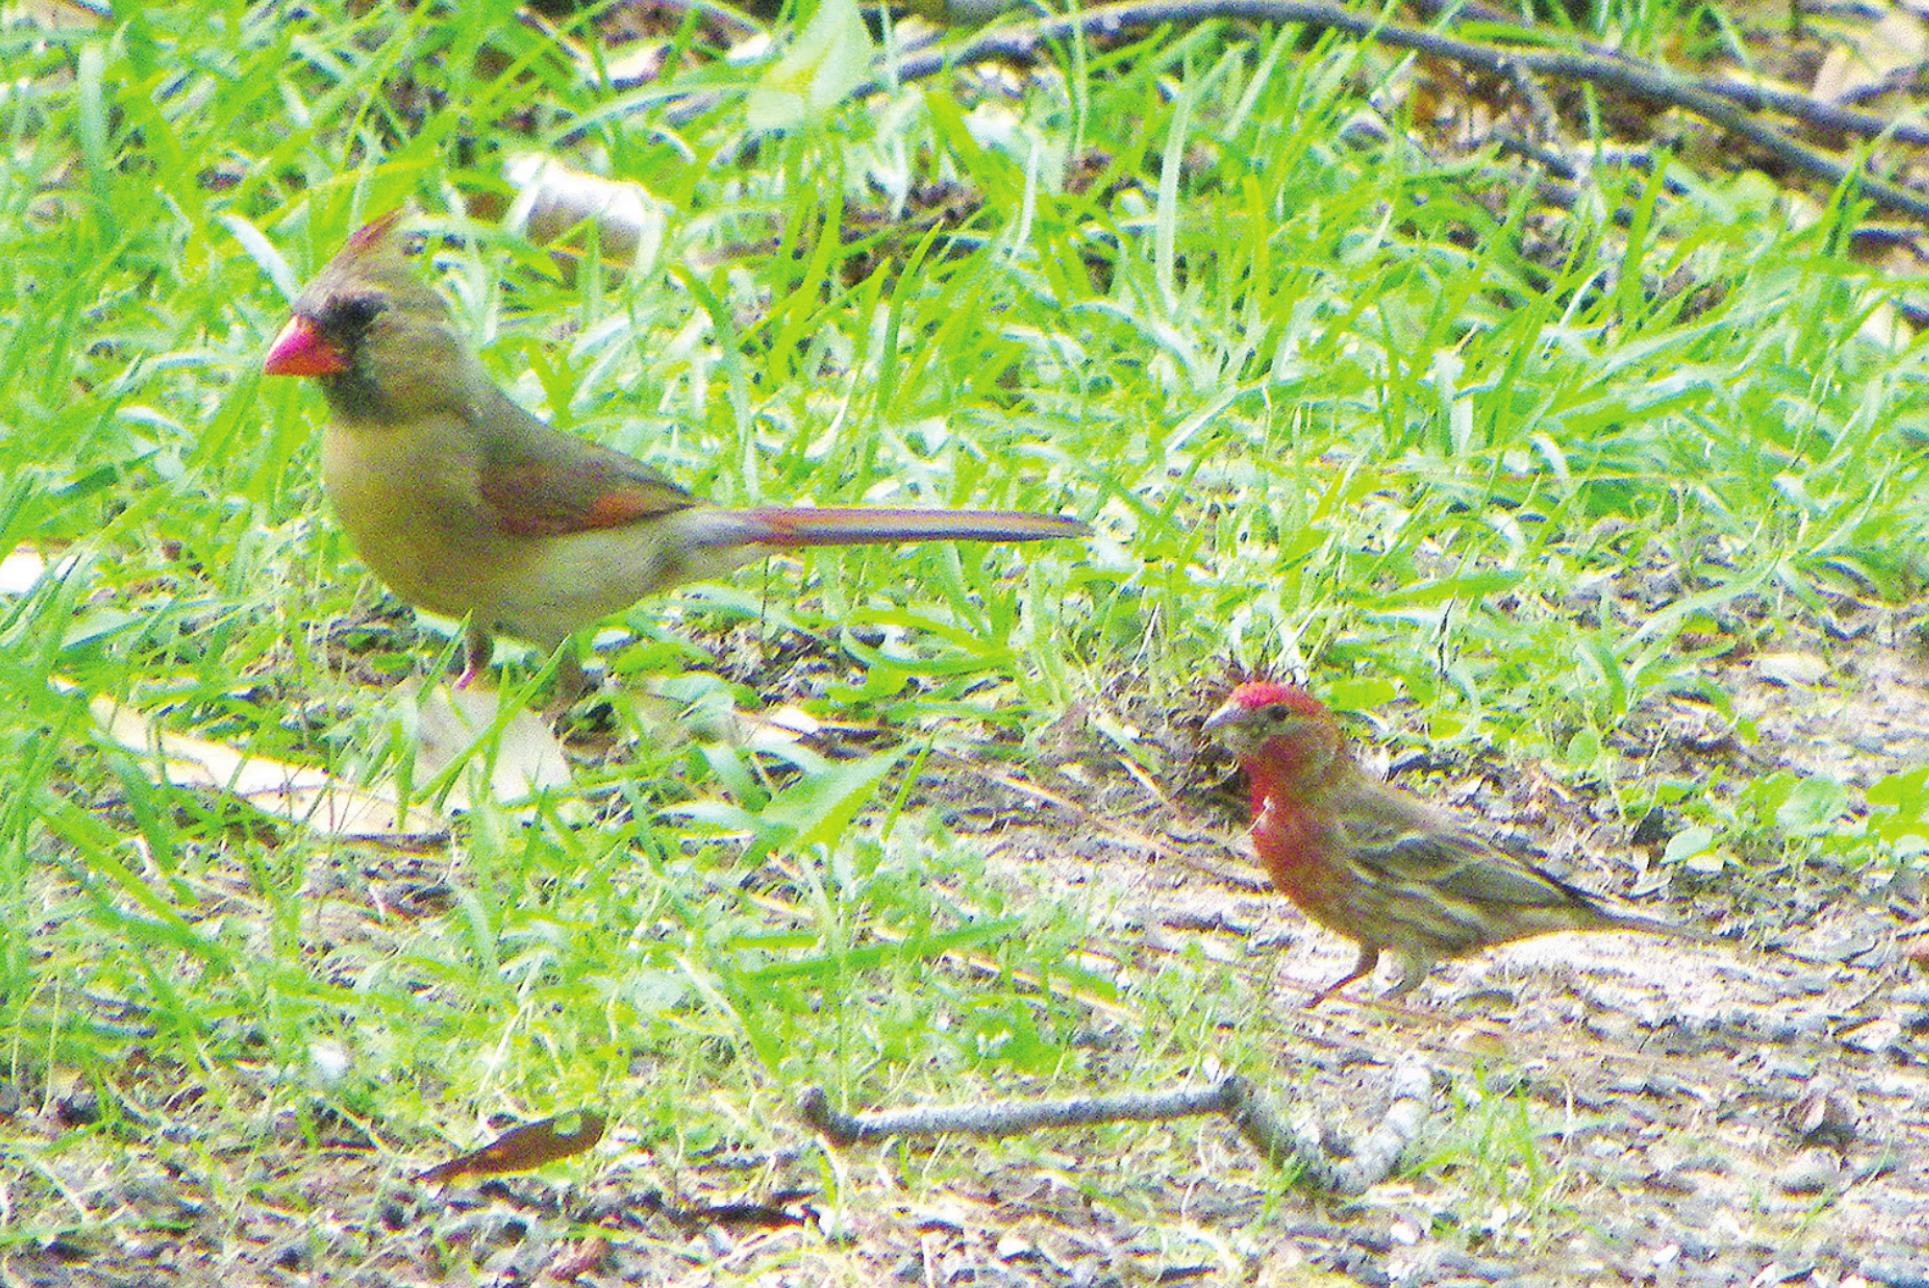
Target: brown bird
{"points": [[466, 505], [1369, 861]]}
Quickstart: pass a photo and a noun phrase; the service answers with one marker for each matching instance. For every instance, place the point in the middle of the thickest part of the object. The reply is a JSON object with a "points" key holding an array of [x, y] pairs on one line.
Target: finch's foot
{"points": [[1362, 967], [1412, 970]]}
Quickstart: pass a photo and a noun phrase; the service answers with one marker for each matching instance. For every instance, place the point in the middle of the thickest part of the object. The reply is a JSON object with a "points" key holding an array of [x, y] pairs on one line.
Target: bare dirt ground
{"points": [[1749, 1115], [1608, 1108]]}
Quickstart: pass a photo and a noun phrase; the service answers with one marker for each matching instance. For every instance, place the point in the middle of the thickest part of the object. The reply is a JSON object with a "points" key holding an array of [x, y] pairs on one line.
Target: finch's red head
{"points": [[1279, 726], [1257, 695]]}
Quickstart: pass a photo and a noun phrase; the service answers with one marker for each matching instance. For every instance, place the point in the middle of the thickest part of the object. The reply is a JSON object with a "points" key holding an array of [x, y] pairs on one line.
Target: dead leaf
{"points": [[26, 567], [553, 200], [1867, 56], [67, 15], [589, 1255], [452, 724], [1792, 669], [300, 793], [522, 1148]]}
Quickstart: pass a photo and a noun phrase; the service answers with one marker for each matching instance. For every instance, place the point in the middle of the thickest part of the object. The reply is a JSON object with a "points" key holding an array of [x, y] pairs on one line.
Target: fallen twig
{"points": [[1809, 110], [1640, 80], [1368, 1161], [1347, 1169]]}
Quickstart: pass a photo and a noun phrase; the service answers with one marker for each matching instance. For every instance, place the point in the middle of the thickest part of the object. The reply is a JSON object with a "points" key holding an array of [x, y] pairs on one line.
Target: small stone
{"points": [[1785, 1067], [1811, 1175], [1461, 1263], [78, 1109], [1824, 1116], [1808, 983], [1792, 669], [1876, 1036], [1897, 1274]]}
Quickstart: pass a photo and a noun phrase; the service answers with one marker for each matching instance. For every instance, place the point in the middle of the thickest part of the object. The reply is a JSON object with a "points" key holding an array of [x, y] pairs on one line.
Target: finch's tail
{"points": [[785, 526], [1666, 929]]}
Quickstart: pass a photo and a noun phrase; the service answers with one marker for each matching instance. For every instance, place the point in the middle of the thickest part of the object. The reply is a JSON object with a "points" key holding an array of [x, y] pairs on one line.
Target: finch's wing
{"points": [[1456, 864]]}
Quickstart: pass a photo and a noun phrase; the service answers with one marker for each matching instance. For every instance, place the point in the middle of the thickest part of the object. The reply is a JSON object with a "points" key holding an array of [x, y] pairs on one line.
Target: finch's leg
{"points": [[1369, 958], [1413, 969]]}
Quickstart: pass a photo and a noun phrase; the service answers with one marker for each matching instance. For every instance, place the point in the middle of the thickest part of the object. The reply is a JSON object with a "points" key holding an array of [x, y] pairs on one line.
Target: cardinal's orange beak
{"points": [[301, 350]]}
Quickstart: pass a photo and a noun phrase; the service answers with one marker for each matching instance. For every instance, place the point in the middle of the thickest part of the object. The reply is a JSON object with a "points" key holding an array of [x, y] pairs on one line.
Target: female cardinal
{"points": [[1376, 865], [467, 505]]}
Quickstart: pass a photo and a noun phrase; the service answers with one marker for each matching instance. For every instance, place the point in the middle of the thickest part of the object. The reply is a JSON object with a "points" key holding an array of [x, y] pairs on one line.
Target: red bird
{"points": [[1374, 864]]}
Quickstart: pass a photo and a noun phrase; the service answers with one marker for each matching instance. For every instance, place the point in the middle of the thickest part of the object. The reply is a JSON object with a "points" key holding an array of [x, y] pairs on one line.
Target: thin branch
{"points": [[996, 1118], [1563, 165], [1809, 110], [1903, 80], [1643, 81], [1368, 1161], [1337, 1167]]}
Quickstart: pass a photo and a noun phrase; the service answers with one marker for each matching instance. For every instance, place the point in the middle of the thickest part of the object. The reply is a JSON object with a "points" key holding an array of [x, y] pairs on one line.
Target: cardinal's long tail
{"points": [[786, 527]]}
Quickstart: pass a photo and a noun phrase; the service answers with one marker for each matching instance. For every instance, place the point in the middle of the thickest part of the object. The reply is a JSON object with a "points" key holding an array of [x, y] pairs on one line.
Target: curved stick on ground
{"points": [[1344, 1170], [1367, 1162], [1009, 1117]]}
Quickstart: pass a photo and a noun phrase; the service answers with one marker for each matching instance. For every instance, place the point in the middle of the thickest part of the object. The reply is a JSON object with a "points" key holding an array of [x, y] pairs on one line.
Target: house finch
{"points": [[467, 505], [1376, 865]]}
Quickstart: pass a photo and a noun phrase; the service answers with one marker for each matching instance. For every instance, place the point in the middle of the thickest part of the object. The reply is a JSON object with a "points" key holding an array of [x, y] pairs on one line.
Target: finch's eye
{"points": [[355, 312], [1277, 711]]}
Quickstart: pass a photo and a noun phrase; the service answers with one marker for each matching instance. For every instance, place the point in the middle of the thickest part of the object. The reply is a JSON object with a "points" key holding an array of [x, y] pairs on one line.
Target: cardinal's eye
{"points": [[354, 312]]}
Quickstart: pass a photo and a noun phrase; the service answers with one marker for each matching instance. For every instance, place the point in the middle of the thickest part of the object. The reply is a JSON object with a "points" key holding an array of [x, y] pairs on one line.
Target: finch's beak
{"points": [[301, 350], [1224, 717]]}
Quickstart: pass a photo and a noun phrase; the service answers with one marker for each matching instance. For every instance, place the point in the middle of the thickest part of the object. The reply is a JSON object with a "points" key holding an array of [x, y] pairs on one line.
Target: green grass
{"points": [[1330, 407]]}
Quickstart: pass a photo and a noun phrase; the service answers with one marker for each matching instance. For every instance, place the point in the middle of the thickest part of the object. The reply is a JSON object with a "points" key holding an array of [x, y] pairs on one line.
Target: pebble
{"points": [[1791, 1028], [1808, 983], [1780, 1067], [1810, 1175], [1874, 1037], [78, 1109], [1897, 1274], [1461, 1263]]}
